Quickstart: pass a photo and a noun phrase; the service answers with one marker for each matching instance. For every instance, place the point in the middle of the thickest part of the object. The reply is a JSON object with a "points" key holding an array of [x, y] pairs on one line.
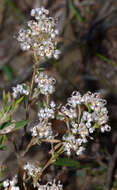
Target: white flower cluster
{"points": [[40, 35], [42, 130], [86, 113], [44, 83], [46, 113], [72, 144], [46, 87], [11, 184], [51, 186], [32, 170], [20, 89]]}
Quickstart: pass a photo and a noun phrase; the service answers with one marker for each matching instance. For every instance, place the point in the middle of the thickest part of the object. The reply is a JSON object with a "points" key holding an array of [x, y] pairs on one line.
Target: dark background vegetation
{"points": [[88, 62]]}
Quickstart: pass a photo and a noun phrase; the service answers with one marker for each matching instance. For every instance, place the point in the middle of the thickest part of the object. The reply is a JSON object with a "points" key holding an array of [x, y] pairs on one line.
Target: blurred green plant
{"points": [[75, 12], [105, 59], [8, 71], [15, 9], [68, 162]]}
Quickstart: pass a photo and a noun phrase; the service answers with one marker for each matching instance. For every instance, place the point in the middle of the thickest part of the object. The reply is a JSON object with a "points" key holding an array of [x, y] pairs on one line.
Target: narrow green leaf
{"points": [[105, 59], [8, 72], [15, 9], [67, 162], [21, 124], [5, 98], [19, 100], [75, 11], [2, 139]]}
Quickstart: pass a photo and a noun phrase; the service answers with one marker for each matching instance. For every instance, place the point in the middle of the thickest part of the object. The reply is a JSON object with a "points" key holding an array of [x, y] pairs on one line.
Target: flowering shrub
{"points": [[82, 115]]}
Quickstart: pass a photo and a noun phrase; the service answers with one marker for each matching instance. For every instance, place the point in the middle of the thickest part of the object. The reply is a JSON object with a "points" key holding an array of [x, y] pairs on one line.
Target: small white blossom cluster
{"points": [[45, 83], [11, 184], [71, 143], [46, 114], [85, 114], [42, 130], [20, 89], [32, 170], [51, 186], [41, 34]]}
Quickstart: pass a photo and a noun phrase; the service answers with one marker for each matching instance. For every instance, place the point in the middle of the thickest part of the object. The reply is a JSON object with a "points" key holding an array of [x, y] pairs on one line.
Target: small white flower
{"points": [[51, 186], [43, 130], [45, 84], [46, 113], [32, 169], [14, 188], [40, 33], [6, 183], [80, 150], [20, 89], [14, 181], [71, 143]]}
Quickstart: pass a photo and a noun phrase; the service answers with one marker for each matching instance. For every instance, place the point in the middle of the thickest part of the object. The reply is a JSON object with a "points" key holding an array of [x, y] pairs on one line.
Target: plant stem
{"points": [[51, 160], [79, 113], [32, 84], [33, 77]]}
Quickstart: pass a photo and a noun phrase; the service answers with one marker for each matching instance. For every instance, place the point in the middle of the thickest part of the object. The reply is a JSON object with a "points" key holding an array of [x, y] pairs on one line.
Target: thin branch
{"points": [[111, 170]]}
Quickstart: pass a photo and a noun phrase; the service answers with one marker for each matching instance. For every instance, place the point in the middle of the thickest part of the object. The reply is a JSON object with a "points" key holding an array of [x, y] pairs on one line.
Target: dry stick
{"points": [[110, 172], [51, 160]]}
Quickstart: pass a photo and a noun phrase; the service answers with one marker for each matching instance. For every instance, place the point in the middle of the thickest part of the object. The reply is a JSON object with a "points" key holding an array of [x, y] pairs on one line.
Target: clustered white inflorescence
{"points": [[72, 143], [41, 34], [51, 186], [43, 130], [46, 113], [45, 83], [85, 114], [20, 89], [32, 170], [11, 184]]}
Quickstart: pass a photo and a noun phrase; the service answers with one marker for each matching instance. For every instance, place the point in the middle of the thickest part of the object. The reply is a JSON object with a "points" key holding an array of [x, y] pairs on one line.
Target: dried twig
{"points": [[111, 168]]}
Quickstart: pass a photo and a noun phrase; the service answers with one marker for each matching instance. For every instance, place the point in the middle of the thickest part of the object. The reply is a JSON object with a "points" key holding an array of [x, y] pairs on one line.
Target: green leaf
{"points": [[21, 124], [2, 139], [105, 59], [14, 104], [5, 98], [15, 9], [75, 11], [68, 162], [8, 72], [19, 100], [3, 147]]}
